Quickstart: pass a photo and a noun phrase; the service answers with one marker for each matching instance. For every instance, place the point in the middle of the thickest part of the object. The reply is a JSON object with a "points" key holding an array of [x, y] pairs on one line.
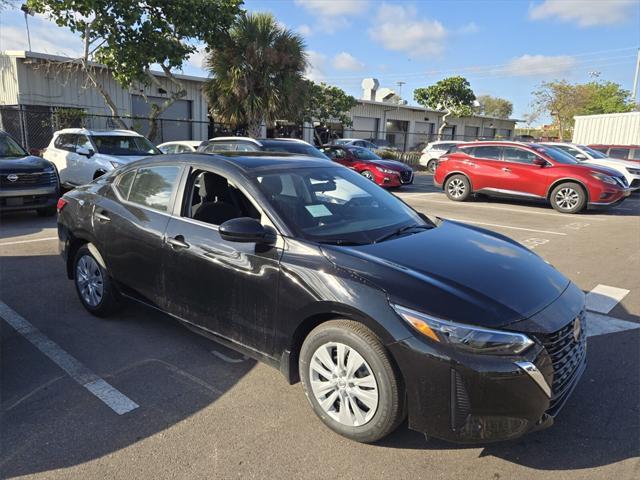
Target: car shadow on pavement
{"points": [[14, 224], [47, 420], [598, 426]]}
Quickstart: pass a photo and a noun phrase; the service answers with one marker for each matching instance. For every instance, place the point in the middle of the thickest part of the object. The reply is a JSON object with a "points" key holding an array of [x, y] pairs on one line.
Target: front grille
{"points": [[623, 181], [28, 179], [568, 354], [460, 405], [405, 176]]}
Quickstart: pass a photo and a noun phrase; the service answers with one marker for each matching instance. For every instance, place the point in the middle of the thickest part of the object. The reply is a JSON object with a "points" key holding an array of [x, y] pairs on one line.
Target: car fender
{"points": [[564, 180]]}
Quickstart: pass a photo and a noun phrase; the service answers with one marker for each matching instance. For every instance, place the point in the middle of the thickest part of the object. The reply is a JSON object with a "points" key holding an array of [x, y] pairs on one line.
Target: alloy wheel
{"points": [[367, 174], [89, 280], [343, 384], [456, 188], [567, 198]]}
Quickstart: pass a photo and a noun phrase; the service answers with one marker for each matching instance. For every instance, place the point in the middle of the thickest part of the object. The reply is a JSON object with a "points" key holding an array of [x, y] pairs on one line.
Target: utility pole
{"points": [[634, 94], [27, 12]]}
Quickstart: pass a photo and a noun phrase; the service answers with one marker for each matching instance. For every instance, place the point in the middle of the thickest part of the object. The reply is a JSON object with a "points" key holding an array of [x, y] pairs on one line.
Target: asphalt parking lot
{"points": [[199, 410]]}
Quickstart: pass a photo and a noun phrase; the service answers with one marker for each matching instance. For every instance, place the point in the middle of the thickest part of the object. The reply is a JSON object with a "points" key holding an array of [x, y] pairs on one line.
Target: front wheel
{"points": [[568, 198], [93, 284], [368, 175], [457, 188], [350, 381]]}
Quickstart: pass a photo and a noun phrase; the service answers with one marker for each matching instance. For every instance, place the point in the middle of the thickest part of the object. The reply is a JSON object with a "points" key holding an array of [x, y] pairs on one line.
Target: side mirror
{"points": [[581, 156], [87, 152], [541, 162], [246, 230]]}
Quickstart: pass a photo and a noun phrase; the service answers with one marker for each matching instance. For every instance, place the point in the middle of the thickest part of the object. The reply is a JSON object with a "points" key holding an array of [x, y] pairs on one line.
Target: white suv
{"points": [[82, 155], [434, 150], [630, 170]]}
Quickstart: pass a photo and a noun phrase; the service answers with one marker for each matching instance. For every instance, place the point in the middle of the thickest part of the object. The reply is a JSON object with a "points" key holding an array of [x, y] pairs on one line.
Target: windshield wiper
{"points": [[342, 243], [402, 230]]}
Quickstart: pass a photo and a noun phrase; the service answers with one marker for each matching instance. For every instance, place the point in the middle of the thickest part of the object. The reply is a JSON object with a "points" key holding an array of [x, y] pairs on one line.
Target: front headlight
{"points": [[386, 170], [633, 171], [465, 337], [604, 178]]}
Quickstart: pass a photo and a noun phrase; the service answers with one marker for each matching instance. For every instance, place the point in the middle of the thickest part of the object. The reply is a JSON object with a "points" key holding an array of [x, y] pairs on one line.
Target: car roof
{"points": [[283, 140], [498, 143], [86, 131], [182, 142], [235, 139]]}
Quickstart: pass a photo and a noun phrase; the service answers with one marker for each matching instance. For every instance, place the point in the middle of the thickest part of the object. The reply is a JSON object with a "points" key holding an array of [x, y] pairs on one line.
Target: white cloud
{"points": [[197, 58], [540, 65], [317, 64], [346, 61], [334, 8], [46, 37], [305, 30], [471, 27], [399, 28], [586, 13]]}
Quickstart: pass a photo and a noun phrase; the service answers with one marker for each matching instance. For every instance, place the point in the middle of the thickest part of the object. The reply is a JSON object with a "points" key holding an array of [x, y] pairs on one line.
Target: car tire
{"points": [[375, 382], [568, 197], [431, 165], [457, 188], [47, 211], [93, 284], [368, 175]]}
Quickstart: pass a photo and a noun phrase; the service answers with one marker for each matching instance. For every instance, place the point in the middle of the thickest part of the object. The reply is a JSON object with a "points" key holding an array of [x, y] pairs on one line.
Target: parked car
{"points": [[180, 146], [313, 269], [528, 170], [622, 152], [81, 155], [386, 173], [383, 144], [27, 182], [587, 155], [433, 151], [355, 142], [247, 144]]}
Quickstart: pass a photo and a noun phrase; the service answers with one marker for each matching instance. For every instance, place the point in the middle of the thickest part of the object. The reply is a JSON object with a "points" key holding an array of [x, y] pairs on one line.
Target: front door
{"points": [[521, 176], [85, 165], [227, 288]]}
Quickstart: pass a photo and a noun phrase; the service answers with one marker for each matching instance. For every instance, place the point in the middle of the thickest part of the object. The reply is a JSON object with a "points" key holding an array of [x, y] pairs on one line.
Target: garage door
{"points": [[365, 127], [471, 133], [173, 126]]}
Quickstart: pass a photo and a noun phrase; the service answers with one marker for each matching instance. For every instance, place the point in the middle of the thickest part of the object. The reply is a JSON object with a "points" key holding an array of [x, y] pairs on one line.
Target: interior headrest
{"points": [[272, 184], [212, 185]]}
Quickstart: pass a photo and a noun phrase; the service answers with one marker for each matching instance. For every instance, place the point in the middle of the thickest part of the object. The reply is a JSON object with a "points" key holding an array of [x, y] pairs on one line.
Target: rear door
{"points": [[520, 176], [483, 164]]}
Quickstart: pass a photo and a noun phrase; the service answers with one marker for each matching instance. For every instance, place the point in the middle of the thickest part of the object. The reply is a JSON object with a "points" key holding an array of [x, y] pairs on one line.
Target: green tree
{"points": [[452, 95], [129, 37], [324, 103], [494, 106], [257, 73], [604, 97]]}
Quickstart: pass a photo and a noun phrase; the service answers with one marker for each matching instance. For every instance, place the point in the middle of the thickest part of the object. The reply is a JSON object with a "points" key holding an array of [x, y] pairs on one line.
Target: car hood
{"points": [[120, 158], [612, 162], [391, 164], [26, 164], [600, 168], [457, 272]]}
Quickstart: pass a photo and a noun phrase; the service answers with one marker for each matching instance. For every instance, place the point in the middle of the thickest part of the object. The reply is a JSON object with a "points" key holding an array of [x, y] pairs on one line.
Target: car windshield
{"points": [[364, 154], [556, 154], [592, 152], [294, 147], [335, 205], [124, 145], [9, 148]]}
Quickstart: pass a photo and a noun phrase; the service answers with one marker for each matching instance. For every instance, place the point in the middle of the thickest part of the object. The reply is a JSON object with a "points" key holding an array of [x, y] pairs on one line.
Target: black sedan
{"points": [[26, 182], [315, 270]]}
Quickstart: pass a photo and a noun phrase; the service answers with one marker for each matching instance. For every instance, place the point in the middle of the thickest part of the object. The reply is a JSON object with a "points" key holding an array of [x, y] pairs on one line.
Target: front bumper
{"points": [[32, 198], [467, 398], [611, 198]]}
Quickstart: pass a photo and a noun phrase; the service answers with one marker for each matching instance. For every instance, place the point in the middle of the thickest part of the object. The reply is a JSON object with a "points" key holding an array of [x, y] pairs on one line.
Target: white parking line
{"points": [[603, 298], [598, 324], [113, 398], [505, 226], [18, 242]]}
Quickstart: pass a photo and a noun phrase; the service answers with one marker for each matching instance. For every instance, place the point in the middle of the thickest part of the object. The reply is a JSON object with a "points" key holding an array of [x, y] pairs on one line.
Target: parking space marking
{"points": [[110, 396], [505, 226], [532, 243], [598, 324], [19, 242], [603, 298]]}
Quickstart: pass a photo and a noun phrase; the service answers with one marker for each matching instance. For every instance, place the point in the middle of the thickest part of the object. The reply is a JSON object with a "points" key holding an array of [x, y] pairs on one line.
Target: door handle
{"points": [[471, 164], [177, 242], [505, 169], [101, 217]]}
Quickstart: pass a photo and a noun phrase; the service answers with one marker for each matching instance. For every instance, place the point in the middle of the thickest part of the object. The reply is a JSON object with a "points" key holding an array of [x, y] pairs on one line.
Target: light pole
{"points": [[27, 12]]}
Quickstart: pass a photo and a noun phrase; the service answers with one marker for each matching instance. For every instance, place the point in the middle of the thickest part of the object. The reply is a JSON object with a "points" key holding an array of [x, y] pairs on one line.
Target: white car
{"points": [[434, 150], [81, 155], [180, 146], [630, 170]]}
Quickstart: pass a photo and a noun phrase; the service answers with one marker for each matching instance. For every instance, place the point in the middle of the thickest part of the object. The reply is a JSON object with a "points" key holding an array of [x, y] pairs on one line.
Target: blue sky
{"points": [[505, 48]]}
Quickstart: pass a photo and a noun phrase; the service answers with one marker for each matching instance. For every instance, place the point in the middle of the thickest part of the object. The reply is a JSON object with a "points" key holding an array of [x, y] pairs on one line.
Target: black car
{"points": [[26, 182], [317, 271]]}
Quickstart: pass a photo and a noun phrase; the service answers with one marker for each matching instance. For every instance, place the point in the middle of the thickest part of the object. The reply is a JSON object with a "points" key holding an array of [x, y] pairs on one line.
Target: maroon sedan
{"points": [[386, 173]]}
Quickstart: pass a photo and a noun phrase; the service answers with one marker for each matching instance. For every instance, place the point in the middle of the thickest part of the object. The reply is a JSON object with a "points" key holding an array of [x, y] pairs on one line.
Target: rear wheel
{"points": [[93, 284], [350, 381], [457, 188], [568, 197], [431, 165]]}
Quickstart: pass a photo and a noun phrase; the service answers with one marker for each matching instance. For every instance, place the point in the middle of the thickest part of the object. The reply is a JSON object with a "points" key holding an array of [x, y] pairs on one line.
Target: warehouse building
{"points": [[608, 129]]}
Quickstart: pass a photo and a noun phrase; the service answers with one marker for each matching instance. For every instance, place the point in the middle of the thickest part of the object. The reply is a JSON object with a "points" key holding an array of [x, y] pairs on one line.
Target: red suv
{"points": [[386, 173], [528, 171]]}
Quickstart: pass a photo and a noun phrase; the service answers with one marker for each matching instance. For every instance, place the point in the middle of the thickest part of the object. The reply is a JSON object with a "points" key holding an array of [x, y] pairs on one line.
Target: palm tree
{"points": [[257, 73]]}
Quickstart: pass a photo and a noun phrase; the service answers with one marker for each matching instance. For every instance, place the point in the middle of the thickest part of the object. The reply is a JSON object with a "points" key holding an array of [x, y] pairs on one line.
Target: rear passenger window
{"points": [[518, 155], [488, 151], [619, 153], [153, 186], [123, 183], [635, 154]]}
